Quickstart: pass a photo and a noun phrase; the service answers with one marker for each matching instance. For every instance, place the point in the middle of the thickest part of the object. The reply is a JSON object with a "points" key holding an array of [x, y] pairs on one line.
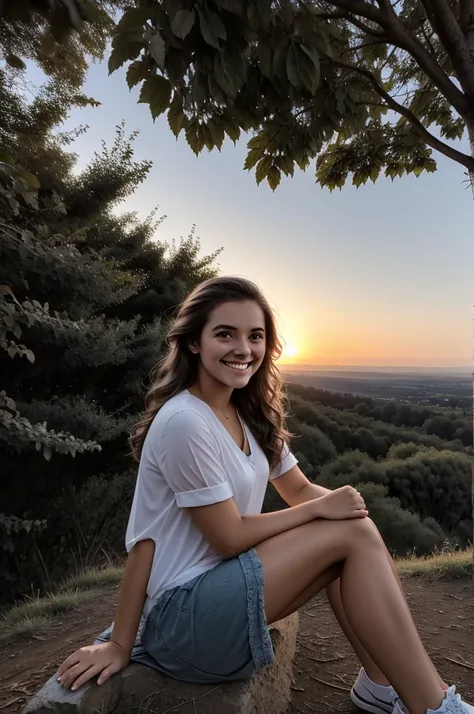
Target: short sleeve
{"points": [[288, 460], [191, 462]]}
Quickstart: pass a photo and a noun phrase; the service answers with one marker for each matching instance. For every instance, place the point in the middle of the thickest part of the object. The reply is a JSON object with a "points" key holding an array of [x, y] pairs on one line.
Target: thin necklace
{"points": [[224, 415], [213, 408]]}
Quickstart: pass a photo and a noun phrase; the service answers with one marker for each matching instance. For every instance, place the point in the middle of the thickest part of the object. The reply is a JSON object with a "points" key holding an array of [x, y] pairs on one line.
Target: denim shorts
{"points": [[211, 629]]}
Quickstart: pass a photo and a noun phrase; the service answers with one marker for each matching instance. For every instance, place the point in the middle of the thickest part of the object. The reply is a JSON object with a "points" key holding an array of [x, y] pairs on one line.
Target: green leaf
{"points": [[206, 28], [215, 91], [134, 35], [232, 130], [122, 53], [234, 6], [14, 205], [199, 88], [264, 165], [313, 55], [253, 157], [47, 453], [182, 23], [265, 56], [273, 177], [133, 17], [259, 141], [30, 178], [136, 72], [286, 164], [156, 91], [30, 356], [217, 133], [216, 25], [195, 137], [156, 45], [6, 157], [176, 117], [15, 61], [302, 67], [280, 60], [225, 75], [292, 68], [205, 132]]}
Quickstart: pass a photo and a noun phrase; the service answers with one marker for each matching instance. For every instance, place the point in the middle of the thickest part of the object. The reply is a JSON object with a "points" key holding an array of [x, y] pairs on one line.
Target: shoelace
{"points": [[452, 703], [392, 694]]}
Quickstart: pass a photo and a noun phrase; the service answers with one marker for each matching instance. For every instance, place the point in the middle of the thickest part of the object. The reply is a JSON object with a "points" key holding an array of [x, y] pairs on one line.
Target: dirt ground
{"points": [[325, 666]]}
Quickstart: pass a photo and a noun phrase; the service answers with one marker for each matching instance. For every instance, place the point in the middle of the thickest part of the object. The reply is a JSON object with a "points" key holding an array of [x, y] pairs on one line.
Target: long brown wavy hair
{"points": [[262, 403]]}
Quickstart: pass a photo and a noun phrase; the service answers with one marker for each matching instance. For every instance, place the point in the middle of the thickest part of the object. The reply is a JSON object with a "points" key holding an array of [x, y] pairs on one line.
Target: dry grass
{"points": [[449, 565], [31, 616], [93, 578]]}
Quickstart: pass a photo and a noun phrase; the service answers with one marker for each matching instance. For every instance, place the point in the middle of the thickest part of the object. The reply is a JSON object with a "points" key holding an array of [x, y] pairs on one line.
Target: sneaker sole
{"points": [[372, 707]]}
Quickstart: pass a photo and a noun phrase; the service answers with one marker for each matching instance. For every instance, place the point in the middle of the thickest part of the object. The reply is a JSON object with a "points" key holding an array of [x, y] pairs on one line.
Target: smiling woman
{"points": [[207, 571]]}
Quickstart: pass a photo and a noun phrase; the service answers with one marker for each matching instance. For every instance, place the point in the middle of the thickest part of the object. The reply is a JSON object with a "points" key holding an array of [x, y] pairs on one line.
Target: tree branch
{"points": [[398, 34], [466, 21], [451, 36], [435, 143], [466, 10], [362, 8], [343, 15], [372, 43]]}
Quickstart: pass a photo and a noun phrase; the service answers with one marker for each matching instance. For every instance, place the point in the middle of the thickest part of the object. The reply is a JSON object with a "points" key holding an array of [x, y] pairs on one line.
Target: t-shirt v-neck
{"points": [[245, 430]]}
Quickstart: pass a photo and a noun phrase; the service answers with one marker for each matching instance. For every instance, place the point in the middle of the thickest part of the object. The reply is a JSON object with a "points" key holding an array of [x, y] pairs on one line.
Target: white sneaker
{"points": [[372, 697], [451, 704]]}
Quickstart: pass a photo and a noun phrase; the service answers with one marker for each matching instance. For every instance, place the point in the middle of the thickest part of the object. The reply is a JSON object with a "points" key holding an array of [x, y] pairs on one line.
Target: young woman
{"points": [[207, 572]]}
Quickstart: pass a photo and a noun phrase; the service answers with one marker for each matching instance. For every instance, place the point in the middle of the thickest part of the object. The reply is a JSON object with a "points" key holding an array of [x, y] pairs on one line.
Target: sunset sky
{"points": [[382, 275]]}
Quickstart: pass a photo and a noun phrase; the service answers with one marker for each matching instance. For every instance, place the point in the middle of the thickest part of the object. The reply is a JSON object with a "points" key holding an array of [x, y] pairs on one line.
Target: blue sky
{"points": [[380, 275]]}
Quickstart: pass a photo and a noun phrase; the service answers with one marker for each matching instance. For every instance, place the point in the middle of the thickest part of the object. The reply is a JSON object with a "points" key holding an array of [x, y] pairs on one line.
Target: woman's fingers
{"points": [[108, 672], [69, 662], [85, 676], [68, 677]]}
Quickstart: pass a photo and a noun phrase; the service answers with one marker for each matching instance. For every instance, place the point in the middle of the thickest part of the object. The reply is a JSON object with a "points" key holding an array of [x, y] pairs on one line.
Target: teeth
{"points": [[237, 365]]}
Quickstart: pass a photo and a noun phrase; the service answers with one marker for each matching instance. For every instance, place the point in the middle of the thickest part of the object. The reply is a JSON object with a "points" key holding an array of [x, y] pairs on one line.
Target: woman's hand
{"points": [[104, 659], [345, 502]]}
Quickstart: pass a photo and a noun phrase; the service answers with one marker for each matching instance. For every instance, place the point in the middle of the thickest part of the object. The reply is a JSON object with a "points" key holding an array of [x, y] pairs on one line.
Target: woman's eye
{"points": [[257, 334], [222, 334]]}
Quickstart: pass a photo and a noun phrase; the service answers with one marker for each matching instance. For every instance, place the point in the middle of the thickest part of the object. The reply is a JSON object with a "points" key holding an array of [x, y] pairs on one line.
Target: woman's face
{"points": [[233, 342]]}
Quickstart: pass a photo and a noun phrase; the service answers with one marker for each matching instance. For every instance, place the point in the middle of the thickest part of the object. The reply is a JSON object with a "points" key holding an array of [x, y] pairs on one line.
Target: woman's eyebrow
{"points": [[229, 327]]}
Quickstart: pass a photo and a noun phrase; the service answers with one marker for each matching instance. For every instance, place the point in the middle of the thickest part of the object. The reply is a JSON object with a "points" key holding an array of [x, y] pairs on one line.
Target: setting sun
{"points": [[289, 350]]}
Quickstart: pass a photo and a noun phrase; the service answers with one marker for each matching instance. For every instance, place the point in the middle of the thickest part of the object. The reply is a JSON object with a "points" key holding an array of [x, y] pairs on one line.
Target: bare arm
{"points": [[132, 594], [229, 533], [107, 658], [295, 488]]}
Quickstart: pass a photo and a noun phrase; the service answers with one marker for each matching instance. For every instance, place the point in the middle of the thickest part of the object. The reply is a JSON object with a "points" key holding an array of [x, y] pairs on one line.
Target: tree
{"points": [[60, 36], [364, 87], [70, 293]]}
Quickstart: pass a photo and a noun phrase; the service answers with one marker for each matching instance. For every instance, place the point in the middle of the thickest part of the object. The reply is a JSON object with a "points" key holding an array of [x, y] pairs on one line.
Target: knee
{"points": [[364, 530]]}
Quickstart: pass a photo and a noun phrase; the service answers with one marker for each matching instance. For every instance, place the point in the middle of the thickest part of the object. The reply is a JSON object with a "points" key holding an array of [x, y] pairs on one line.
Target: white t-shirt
{"points": [[190, 459]]}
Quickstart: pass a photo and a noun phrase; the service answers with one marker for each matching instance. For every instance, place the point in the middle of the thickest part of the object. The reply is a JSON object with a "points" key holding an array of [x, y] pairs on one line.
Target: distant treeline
{"points": [[416, 484], [447, 423]]}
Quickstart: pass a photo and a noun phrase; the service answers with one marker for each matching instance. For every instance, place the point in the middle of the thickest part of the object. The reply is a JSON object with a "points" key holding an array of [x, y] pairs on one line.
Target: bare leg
{"points": [[373, 604], [334, 596]]}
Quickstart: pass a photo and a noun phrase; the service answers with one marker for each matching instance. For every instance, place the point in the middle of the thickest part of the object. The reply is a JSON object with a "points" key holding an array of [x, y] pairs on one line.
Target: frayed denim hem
{"points": [[259, 635]]}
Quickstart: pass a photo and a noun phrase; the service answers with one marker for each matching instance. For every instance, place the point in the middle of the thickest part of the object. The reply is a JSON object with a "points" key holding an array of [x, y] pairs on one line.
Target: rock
{"points": [[139, 689]]}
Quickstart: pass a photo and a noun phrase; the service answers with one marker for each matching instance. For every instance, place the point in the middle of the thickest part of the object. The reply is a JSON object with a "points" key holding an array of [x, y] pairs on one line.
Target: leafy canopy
{"points": [[366, 87]]}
